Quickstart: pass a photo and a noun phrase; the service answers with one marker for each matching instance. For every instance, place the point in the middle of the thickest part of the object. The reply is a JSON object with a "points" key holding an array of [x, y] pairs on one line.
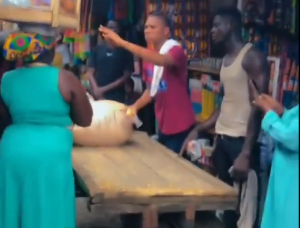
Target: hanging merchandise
{"points": [[288, 55], [122, 11], [86, 15], [80, 42], [277, 37], [190, 24], [205, 96]]}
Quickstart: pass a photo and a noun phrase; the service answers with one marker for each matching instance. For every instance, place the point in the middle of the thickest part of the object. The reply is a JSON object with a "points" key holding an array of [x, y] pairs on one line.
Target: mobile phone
{"points": [[255, 88]]}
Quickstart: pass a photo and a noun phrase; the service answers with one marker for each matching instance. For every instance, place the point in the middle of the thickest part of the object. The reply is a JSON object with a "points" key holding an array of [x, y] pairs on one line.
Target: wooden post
{"points": [[190, 215], [55, 11], [150, 217]]}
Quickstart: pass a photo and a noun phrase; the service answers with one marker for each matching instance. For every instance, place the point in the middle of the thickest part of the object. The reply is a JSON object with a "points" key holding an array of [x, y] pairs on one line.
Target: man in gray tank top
{"points": [[237, 122]]}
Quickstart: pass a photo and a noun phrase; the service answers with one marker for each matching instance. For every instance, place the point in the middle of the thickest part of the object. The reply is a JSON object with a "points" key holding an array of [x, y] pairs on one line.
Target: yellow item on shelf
{"points": [[58, 60]]}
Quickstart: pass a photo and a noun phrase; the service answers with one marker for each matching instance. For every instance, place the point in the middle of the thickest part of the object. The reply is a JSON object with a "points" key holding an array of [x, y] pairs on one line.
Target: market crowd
{"points": [[35, 135]]}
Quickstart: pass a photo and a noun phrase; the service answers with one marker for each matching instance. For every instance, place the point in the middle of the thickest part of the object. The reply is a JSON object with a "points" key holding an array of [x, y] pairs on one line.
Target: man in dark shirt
{"points": [[111, 66]]}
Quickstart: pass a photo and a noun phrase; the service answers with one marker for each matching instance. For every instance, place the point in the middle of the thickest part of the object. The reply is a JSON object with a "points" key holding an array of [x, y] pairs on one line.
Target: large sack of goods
{"points": [[111, 126]]}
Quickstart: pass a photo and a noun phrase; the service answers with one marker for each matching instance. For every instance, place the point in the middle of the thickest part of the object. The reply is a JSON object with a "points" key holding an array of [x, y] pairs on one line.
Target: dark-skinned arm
{"points": [[210, 122], [117, 83], [144, 100], [256, 65], [91, 64], [149, 55]]}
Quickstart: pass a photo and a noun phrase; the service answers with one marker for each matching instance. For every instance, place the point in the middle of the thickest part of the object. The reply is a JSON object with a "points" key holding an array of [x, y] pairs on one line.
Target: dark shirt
{"points": [[110, 65]]}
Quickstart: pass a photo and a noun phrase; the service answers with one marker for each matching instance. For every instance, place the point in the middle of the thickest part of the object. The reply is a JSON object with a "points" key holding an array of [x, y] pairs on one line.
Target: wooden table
{"points": [[144, 174], [204, 70]]}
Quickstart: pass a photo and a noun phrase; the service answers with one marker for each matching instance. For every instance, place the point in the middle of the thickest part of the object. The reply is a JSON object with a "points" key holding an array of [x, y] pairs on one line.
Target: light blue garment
{"points": [[282, 203]]}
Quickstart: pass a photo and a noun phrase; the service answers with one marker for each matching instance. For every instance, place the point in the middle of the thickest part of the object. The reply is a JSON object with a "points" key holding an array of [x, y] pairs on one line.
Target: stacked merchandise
{"points": [[190, 24], [80, 40], [288, 54], [205, 96], [276, 15], [277, 36]]}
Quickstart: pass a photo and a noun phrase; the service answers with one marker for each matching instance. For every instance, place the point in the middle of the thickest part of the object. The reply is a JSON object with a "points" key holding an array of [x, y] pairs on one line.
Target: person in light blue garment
{"points": [[282, 203]]}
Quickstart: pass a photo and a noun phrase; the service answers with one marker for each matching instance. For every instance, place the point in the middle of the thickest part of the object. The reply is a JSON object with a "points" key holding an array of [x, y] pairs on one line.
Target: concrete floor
{"points": [[86, 219]]}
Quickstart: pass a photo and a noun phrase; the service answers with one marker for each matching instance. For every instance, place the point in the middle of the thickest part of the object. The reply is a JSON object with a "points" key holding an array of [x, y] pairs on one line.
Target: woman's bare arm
{"points": [[74, 93]]}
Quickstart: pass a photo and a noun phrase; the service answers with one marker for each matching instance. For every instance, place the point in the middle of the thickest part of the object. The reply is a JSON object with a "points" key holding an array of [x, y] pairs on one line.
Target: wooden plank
{"points": [[204, 70], [25, 14], [144, 171], [169, 207]]}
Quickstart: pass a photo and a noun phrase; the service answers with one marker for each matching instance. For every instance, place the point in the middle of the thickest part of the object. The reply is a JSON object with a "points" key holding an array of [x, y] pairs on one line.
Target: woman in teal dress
{"points": [[282, 204], [36, 177]]}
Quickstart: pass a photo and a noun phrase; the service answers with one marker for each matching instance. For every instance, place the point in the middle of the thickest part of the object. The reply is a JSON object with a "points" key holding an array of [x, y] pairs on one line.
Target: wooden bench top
{"points": [[145, 172]]}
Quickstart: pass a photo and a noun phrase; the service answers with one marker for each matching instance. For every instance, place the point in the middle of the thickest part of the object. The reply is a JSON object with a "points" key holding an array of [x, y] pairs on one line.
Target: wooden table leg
{"points": [[150, 217], [190, 215]]}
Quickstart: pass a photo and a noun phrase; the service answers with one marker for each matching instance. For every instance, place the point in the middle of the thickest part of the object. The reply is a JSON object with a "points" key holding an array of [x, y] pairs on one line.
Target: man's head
{"points": [[227, 22], [157, 28], [114, 26]]}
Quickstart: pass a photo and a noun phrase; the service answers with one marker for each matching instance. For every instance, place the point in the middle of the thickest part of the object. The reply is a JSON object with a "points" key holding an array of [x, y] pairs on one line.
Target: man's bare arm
{"points": [[144, 100], [149, 55], [256, 65], [89, 73], [117, 83]]}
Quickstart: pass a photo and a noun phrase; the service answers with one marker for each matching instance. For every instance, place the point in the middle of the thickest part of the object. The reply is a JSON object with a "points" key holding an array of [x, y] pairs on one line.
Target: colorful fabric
{"points": [[26, 46], [81, 44]]}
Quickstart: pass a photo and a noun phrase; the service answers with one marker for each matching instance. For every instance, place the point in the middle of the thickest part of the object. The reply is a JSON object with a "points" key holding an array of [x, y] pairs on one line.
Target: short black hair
{"points": [[163, 16], [119, 25], [233, 14]]}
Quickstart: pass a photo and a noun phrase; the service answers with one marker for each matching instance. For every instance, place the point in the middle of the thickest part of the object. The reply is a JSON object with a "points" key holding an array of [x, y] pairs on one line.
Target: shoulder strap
{"points": [[244, 51]]}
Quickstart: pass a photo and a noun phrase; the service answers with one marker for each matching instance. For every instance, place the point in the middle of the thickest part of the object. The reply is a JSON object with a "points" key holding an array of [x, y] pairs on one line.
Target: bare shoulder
{"points": [[66, 75], [254, 60], [68, 78], [256, 65], [68, 84]]}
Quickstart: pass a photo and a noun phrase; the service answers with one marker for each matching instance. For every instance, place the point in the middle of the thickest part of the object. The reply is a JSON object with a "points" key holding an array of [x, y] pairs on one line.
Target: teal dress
{"points": [[282, 203], [36, 178]]}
